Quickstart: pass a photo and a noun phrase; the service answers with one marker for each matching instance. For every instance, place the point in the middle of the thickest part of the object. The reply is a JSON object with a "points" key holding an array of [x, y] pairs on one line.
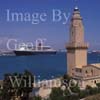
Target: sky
{"points": [[56, 33]]}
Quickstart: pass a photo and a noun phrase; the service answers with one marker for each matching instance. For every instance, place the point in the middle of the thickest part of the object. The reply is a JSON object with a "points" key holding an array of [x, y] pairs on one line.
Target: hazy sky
{"points": [[56, 33]]}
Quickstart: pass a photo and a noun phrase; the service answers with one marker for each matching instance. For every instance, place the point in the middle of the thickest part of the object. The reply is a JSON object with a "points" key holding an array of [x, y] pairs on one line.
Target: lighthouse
{"points": [[76, 47]]}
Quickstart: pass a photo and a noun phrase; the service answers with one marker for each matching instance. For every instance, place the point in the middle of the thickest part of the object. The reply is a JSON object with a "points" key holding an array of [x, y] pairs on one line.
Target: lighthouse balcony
{"points": [[77, 45]]}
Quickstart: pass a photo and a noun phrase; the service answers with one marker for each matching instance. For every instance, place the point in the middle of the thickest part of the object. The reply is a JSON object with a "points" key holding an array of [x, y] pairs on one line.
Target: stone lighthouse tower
{"points": [[76, 48]]}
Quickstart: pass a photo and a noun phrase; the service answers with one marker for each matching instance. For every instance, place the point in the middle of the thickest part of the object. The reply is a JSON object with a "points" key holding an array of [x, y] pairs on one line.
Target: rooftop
{"points": [[96, 64]]}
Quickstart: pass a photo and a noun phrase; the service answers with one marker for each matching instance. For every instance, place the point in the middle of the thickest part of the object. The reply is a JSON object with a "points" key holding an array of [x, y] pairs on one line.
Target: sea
{"points": [[41, 66]]}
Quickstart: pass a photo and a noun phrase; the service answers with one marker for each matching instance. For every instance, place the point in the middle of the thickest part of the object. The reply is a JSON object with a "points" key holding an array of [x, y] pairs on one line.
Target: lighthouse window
{"points": [[80, 70], [86, 71], [92, 72]]}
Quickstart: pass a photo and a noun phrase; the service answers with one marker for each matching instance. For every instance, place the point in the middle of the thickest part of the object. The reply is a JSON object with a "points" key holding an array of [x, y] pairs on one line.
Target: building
{"points": [[88, 75], [45, 87], [77, 66]]}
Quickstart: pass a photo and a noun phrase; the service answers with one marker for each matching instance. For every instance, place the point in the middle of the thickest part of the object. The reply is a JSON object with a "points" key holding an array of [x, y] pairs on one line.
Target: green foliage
{"points": [[67, 77], [75, 89], [37, 98], [94, 97], [82, 94], [98, 85], [11, 87], [91, 91], [57, 94]]}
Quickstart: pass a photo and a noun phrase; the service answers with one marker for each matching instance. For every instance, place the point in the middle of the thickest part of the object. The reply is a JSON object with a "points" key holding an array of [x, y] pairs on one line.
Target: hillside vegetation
{"points": [[94, 97]]}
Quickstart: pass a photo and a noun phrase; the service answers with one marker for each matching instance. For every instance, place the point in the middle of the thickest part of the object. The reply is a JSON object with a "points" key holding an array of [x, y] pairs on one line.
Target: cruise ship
{"points": [[38, 49]]}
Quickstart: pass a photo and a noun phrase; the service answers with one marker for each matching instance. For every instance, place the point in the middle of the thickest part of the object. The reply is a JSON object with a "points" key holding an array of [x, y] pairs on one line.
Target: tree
{"points": [[57, 94], [82, 94], [7, 88], [67, 78], [17, 84], [37, 98], [29, 85]]}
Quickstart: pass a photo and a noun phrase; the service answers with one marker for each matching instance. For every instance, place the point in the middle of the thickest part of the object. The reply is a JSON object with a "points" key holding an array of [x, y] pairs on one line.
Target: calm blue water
{"points": [[42, 65]]}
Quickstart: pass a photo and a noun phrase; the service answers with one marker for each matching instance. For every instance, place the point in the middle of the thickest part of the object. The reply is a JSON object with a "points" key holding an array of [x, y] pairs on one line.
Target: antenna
{"points": [[76, 2]]}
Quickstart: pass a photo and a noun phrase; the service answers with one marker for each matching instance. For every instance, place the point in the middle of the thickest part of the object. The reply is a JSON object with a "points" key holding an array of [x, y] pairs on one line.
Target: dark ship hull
{"points": [[26, 53]]}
